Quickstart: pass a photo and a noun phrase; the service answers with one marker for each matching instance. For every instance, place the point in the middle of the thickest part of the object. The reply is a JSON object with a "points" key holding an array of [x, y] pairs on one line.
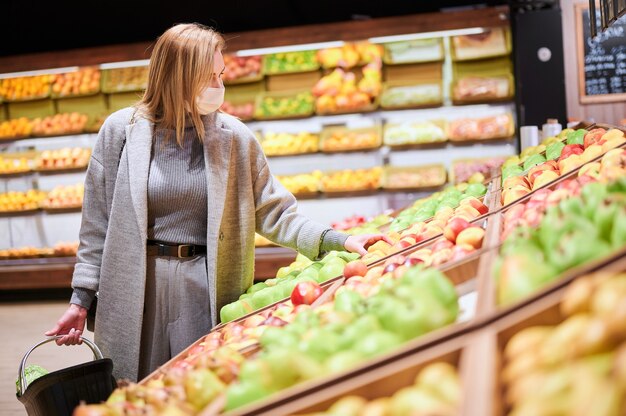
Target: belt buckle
{"points": [[180, 247]]}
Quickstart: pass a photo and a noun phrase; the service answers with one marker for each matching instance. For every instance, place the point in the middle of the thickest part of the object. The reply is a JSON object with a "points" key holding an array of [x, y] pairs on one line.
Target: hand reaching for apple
{"points": [[360, 243]]}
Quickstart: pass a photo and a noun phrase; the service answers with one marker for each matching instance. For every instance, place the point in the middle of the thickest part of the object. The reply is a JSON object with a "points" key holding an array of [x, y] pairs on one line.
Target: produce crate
{"points": [[134, 78], [94, 106], [488, 172], [415, 73], [492, 79], [357, 50], [415, 134], [303, 61], [489, 393], [494, 42], [345, 144], [481, 129], [304, 108], [238, 76], [122, 100], [414, 51], [292, 81], [240, 99], [391, 173], [8, 88], [399, 95], [271, 150], [372, 382], [31, 109], [65, 85], [351, 186]]}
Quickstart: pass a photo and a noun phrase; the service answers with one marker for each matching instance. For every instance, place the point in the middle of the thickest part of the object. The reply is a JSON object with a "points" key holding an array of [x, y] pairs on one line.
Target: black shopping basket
{"points": [[59, 392]]}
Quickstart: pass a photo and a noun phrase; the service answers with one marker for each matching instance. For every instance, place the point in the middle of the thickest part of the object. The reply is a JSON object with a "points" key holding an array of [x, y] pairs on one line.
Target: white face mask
{"points": [[210, 99]]}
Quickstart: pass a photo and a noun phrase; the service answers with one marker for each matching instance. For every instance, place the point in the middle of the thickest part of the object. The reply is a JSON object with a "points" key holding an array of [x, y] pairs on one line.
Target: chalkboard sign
{"points": [[601, 60]]}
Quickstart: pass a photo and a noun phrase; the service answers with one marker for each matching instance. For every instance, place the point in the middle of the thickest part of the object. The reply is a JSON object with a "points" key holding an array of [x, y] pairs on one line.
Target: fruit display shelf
{"points": [[577, 327]]}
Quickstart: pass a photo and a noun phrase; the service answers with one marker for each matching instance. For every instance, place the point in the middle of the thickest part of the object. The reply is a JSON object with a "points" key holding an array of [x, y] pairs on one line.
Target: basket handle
{"points": [[22, 377]]}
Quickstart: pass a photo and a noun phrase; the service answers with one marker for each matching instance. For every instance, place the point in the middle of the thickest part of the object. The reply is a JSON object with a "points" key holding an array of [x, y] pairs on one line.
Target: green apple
{"points": [[520, 276], [348, 406], [553, 151], [331, 269], [512, 171], [533, 160], [343, 360], [232, 311], [577, 247], [201, 387], [576, 137], [618, 234], [320, 344], [241, 393], [349, 301], [274, 337], [256, 287], [433, 282], [377, 343], [476, 190]]}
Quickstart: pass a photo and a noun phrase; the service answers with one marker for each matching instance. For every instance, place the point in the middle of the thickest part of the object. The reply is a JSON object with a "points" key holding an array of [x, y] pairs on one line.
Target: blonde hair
{"points": [[180, 66]]}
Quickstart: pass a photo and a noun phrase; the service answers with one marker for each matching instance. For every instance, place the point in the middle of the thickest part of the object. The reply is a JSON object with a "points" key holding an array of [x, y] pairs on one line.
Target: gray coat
{"points": [[243, 197]]}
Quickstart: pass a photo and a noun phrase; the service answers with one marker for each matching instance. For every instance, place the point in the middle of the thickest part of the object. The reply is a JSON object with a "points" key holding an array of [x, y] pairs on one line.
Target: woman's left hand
{"points": [[360, 243]]}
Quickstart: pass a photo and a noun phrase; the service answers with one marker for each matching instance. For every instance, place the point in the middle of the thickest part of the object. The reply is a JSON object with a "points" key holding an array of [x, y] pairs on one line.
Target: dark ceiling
{"points": [[45, 25]]}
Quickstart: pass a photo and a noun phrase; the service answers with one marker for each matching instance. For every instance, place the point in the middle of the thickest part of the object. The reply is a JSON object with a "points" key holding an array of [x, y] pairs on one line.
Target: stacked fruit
{"points": [[16, 164], [21, 201], [66, 123], [65, 249], [309, 343], [581, 148], [125, 79], [575, 231], [414, 133], [276, 144], [349, 223], [436, 391], [369, 227], [82, 82], [500, 126], [577, 366], [300, 104], [352, 180], [414, 177], [66, 158], [304, 183], [453, 224], [64, 197], [25, 88], [243, 111], [277, 63], [271, 291], [343, 139], [16, 128], [464, 170], [340, 334], [349, 55], [340, 92], [425, 209], [26, 252], [239, 67]]}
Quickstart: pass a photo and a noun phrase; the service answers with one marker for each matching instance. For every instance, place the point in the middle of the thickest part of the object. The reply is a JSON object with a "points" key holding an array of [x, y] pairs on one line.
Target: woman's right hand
{"points": [[71, 324]]}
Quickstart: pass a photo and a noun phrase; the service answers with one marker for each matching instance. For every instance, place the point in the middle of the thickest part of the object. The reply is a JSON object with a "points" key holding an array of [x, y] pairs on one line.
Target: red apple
{"points": [[461, 251], [441, 256], [391, 267], [472, 236], [253, 321], [441, 243], [305, 293], [513, 181], [593, 136], [571, 149], [538, 170], [476, 204], [355, 268], [544, 178], [454, 227], [412, 261], [401, 245], [276, 321], [516, 211]]}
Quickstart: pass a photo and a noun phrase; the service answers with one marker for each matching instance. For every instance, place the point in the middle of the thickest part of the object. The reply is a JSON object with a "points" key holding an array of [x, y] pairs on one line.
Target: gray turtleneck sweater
{"points": [[177, 190]]}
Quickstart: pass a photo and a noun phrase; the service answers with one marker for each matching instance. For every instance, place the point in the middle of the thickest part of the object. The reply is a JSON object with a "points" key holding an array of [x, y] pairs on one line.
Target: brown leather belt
{"points": [[159, 248]]}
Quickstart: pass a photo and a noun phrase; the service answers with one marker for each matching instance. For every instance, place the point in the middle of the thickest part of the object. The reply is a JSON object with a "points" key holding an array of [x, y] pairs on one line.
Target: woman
{"points": [[173, 196]]}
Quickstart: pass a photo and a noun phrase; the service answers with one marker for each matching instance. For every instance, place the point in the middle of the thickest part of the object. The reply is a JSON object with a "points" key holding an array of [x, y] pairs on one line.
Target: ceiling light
{"points": [[290, 48], [426, 35]]}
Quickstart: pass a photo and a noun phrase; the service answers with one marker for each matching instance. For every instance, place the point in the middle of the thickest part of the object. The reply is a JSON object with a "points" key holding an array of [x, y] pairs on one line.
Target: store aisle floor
{"points": [[23, 325]]}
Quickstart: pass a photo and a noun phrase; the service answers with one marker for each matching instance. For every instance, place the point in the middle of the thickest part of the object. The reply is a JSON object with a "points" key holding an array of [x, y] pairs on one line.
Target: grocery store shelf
{"points": [[56, 272]]}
